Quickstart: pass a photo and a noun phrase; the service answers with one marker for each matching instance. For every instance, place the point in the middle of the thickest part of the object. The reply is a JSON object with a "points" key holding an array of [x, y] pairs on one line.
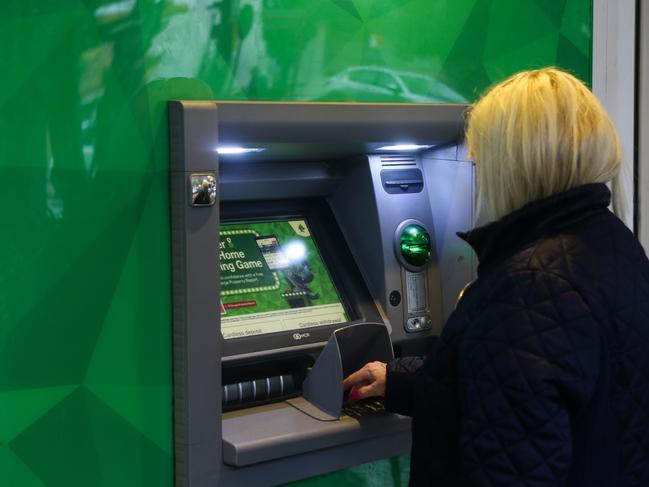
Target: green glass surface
{"points": [[85, 307], [414, 243]]}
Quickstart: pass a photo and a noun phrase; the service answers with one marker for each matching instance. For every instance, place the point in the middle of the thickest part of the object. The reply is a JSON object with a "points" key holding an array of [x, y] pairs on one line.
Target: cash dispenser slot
{"points": [[263, 382]]}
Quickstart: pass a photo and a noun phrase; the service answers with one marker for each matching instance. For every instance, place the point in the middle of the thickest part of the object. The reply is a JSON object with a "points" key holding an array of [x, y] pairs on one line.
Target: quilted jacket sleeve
{"points": [[400, 384], [528, 364]]}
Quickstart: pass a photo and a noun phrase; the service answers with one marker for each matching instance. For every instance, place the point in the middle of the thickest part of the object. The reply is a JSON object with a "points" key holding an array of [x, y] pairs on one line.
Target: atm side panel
{"points": [[450, 184], [196, 333], [354, 206], [416, 310], [369, 217]]}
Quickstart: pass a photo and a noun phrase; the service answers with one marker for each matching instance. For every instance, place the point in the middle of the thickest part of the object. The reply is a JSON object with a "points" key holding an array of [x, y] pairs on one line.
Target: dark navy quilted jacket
{"points": [[541, 375]]}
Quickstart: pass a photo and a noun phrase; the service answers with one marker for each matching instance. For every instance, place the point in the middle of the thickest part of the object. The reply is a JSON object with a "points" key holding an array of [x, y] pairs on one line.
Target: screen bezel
{"points": [[343, 271], [316, 243]]}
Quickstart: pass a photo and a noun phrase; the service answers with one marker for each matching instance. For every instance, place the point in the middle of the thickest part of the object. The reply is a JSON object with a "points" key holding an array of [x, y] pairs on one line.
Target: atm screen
{"points": [[273, 279]]}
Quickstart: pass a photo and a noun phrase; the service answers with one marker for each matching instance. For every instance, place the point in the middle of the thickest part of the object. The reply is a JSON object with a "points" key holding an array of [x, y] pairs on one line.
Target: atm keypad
{"points": [[365, 407]]}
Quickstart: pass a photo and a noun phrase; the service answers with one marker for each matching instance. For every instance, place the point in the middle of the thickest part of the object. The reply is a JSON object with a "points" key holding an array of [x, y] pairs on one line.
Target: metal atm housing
{"points": [[328, 163]]}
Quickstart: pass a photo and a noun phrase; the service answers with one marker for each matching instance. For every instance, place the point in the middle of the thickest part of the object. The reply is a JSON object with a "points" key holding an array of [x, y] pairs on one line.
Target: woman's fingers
{"points": [[368, 381], [357, 378], [370, 390]]}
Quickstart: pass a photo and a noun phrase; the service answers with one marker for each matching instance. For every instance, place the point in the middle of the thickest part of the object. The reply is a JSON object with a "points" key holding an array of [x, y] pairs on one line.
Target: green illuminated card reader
{"points": [[412, 245]]}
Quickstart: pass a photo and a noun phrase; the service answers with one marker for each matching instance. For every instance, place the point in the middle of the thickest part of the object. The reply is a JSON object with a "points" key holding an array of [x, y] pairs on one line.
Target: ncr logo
{"points": [[300, 336]]}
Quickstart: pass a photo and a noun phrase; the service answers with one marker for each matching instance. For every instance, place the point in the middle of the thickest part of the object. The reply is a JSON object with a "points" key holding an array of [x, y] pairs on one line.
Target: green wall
{"points": [[85, 310]]}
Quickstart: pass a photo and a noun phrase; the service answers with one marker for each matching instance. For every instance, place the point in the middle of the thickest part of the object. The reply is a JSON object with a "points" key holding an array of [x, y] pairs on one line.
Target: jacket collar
{"points": [[498, 240]]}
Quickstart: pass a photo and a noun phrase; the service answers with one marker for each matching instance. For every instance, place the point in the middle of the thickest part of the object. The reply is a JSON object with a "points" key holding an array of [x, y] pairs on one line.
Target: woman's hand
{"points": [[366, 382]]}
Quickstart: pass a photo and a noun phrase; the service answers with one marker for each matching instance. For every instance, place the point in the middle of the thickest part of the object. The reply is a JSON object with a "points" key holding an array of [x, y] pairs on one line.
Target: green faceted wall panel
{"points": [[85, 308]]}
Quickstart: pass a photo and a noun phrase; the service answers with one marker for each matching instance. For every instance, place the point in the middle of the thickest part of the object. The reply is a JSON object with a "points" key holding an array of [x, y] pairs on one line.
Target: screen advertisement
{"points": [[273, 279]]}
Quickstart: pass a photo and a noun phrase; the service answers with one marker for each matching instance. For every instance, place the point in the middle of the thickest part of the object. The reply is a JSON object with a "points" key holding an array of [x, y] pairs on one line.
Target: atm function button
{"points": [[395, 298], [274, 386], [260, 389], [246, 391], [231, 394], [288, 383]]}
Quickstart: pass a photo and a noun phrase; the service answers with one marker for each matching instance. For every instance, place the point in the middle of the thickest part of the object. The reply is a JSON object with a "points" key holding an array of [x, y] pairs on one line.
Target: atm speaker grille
{"points": [[398, 160]]}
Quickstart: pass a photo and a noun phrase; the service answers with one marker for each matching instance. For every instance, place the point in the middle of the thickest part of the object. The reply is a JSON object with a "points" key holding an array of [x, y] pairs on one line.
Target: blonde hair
{"points": [[539, 133]]}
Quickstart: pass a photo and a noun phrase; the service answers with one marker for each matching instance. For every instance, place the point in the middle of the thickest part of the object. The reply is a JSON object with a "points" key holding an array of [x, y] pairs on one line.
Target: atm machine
{"points": [[293, 223]]}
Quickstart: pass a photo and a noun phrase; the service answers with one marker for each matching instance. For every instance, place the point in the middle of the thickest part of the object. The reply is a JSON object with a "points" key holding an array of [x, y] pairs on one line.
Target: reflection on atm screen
{"points": [[273, 279], [272, 252]]}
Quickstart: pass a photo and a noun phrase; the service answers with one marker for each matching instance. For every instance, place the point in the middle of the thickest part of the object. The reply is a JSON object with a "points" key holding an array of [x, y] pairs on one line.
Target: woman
{"points": [[541, 375]]}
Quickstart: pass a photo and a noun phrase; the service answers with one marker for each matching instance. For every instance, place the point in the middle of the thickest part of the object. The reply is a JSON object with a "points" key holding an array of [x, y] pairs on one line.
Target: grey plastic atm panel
{"points": [[322, 388], [193, 136], [394, 209], [328, 131], [355, 208], [196, 337], [277, 180], [451, 190], [349, 348], [324, 135], [298, 425], [369, 216], [279, 430], [317, 462]]}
